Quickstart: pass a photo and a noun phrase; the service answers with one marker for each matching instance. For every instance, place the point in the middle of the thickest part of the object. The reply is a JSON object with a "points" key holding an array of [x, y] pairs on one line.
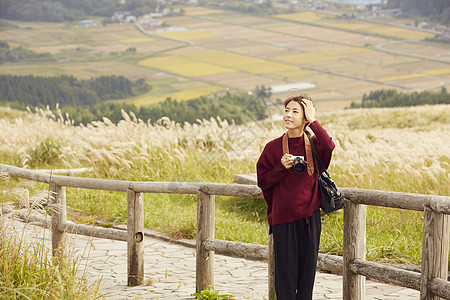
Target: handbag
{"points": [[330, 195]]}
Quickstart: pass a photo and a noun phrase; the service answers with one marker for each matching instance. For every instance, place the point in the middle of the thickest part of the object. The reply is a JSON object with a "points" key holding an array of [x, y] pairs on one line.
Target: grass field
{"points": [[188, 93], [306, 17], [184, 66], [388, 31], [357, 26], [188, 35], [200, 11], [382, 149], [26, 273], [137, 40], [420, 74]]}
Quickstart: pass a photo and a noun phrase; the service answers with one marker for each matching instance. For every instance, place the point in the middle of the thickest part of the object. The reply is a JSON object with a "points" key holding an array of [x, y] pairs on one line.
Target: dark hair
{"points": [[299, 100]]}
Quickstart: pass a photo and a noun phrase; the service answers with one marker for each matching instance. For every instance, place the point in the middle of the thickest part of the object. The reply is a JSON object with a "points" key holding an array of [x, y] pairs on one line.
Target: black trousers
{"points": [[296, 247]]}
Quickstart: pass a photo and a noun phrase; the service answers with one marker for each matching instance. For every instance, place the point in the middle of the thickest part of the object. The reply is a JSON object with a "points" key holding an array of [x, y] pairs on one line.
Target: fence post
{"points": [[205, 230], [58, 211], [354, 248], [135, 238], [271, 269], [435, 250]]}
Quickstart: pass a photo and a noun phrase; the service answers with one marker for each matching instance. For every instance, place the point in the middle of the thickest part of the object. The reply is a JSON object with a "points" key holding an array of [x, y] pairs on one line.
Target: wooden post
{"points": [[435, 249], [135, 238], [205, 230], [271, 269], [58, 211], [354, 248]]}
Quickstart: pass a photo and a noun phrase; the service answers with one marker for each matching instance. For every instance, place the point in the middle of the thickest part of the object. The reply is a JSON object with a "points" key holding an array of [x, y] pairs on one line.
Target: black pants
{"points": [[296, 247]]}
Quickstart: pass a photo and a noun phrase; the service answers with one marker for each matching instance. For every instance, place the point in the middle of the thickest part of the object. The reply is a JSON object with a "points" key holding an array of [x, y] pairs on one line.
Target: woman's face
{"points": [[293, 116]]}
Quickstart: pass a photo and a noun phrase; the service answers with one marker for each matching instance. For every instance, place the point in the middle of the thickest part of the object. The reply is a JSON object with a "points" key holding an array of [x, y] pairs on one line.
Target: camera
{"points": [[299, 164]]}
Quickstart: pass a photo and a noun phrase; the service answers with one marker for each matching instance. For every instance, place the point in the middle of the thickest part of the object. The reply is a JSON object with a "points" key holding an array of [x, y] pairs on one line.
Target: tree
{"points": [[392, 98], [263, 92]]}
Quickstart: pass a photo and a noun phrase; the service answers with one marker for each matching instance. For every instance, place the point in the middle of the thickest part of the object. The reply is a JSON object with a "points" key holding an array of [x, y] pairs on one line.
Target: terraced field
{"points": [[211, 51]]}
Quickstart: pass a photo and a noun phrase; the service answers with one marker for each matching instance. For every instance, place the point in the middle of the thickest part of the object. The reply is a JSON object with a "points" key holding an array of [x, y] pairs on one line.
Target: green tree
{"points": [[392, 98]]}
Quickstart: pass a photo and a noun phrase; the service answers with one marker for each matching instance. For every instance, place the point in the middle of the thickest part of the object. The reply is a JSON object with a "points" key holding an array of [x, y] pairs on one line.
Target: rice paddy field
{"points": [[210, 51], [401, 149]]}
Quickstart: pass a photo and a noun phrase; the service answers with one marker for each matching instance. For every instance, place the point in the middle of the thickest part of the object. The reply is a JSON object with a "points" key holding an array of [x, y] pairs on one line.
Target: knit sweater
{"points": [[291, 196]]}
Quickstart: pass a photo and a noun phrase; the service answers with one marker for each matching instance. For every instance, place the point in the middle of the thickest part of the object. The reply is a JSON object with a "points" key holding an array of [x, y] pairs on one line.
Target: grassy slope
{"points": [[25, 269], [384, 149]]}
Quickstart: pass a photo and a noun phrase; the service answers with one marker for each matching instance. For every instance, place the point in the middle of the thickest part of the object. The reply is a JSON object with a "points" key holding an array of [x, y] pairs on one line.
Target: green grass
{"points": [[392, 235], [25, 269], [25, 273], [211, 294]]}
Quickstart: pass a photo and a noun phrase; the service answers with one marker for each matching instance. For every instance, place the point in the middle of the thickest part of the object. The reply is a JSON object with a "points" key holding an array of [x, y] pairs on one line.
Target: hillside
{"points": [[381, 149], [366, 139], [212, 51]]}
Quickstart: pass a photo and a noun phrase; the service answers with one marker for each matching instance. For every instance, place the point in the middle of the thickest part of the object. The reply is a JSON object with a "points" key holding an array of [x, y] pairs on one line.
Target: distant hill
{"points": [[433, 10], [69, 10]]}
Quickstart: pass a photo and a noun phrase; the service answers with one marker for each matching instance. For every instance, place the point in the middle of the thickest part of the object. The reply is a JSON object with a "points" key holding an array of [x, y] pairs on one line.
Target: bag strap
{"points": [[313, 148]]}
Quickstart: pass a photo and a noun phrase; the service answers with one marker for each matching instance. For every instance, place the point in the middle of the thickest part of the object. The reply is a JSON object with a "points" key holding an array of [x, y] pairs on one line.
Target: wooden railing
{"points": [[432, 281]]}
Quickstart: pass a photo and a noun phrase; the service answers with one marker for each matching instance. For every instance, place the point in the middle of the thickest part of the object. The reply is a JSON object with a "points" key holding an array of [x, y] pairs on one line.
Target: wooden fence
{"points": [[431, 281]]}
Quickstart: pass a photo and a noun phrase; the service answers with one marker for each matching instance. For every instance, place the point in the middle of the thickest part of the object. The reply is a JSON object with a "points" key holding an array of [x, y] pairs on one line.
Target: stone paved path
{"points": [[170, 270]]}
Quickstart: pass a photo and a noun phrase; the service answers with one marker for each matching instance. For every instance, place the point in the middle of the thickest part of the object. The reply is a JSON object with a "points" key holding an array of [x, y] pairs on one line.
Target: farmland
{"points": [[381, 149], [210, 51]]}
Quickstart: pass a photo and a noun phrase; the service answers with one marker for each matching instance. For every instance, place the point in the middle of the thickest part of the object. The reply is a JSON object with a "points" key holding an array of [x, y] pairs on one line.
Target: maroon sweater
{"points": [[291, 196]]}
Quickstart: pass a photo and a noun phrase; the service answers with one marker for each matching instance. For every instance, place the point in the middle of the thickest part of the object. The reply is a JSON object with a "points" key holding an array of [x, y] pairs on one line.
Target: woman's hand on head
{"points": [[310, 110]]}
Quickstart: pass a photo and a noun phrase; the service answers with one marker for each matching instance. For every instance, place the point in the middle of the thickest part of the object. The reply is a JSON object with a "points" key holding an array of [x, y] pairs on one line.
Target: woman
{"points": [[293, 199]]}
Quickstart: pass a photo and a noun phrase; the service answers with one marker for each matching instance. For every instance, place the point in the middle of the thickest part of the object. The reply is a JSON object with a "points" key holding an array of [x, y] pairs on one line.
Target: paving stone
{"points": [[171, 268]]}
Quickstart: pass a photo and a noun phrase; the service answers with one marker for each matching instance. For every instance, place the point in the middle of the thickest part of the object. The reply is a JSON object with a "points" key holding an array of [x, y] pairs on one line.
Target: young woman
{"points": [[293, 198]]}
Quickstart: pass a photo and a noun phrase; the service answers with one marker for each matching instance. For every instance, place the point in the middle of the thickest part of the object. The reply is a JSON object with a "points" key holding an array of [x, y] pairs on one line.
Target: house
{"points": [[86, 23]]}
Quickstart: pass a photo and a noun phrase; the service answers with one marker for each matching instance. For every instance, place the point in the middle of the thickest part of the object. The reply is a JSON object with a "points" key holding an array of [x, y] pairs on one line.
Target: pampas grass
{"points": [[395, 149], [26, 272]]}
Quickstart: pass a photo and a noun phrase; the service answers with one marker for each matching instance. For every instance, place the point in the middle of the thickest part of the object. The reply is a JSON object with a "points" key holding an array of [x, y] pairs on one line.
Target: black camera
{"points": [[299, 164]]}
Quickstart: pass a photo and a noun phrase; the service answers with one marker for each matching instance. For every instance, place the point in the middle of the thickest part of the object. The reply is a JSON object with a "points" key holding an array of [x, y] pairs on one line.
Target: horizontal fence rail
{"points": [[431, 281]]}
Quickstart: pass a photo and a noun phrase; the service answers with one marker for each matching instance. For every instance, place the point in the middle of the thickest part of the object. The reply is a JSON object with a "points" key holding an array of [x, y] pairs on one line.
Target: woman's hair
{"points": [[298, 98]]}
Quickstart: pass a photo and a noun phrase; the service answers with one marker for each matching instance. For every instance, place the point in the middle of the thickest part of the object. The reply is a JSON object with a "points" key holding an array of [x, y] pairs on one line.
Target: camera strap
{"points": [[309, 160]]}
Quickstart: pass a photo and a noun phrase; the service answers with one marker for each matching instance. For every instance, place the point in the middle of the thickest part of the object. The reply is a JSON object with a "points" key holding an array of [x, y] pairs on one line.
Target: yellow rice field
{"points": [[306, 17], [294, 73], [240, 62], [214, 62], [185, 94], [421, 74], [183, 66], [385, 30], [306, 58], [203, 11], [390, 31], [137, 40], [345, 51], [188, 35], [227, 49]]}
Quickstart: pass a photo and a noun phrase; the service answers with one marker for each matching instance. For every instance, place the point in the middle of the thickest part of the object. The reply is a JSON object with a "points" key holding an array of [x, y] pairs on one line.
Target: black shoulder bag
{"points": [[330, 195]]}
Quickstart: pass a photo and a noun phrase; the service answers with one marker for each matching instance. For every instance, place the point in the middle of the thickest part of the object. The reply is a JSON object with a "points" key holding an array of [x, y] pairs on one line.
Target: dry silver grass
{"points": [[26, 269], [414, 140]]}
